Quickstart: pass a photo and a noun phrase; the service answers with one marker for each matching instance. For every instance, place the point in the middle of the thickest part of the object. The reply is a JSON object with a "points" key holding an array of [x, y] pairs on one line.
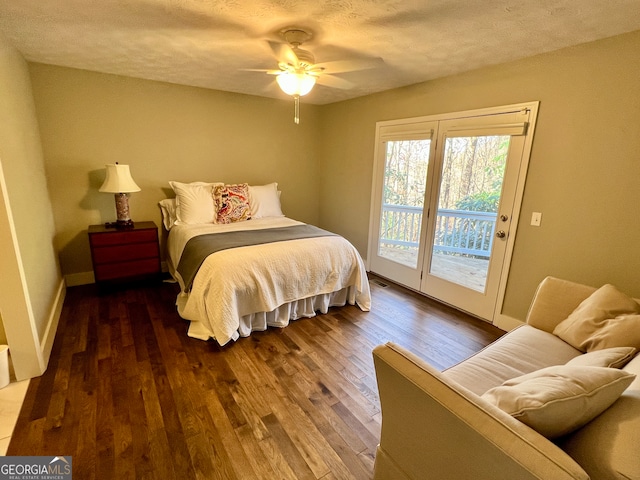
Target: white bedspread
{"points": [[237, 283]]}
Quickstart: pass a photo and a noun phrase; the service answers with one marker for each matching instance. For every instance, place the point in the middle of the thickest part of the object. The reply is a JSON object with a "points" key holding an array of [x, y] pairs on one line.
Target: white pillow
{"points": [[557, 400], [168, 209], [194, 202], [615, 357], [265, 201]]}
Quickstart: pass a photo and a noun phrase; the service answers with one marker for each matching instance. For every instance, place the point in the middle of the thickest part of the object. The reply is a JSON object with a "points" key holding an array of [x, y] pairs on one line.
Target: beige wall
{"points": [[164, 132], [3, 334], [582, 176], [30, 279], [584, 170]]}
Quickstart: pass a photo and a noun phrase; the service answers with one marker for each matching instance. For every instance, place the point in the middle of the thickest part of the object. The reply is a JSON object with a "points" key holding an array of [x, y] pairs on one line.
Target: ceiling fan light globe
{"points": [[296, 83], [306, 84]]}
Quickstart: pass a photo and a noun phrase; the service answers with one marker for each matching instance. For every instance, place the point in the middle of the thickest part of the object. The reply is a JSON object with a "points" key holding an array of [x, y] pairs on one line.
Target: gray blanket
{"points": [[199, 248]]}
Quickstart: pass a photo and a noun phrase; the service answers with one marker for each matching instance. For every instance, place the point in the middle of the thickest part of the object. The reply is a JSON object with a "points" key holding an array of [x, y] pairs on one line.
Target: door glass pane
{"points": [[405, 177], [470, 188]]}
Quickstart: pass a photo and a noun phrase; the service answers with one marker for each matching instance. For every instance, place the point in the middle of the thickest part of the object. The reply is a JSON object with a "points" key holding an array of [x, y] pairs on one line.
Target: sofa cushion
{"points": [[607, 446], [607, 318], [434, 428], [634, 367], [557, 400], [523, 350], [616, 357]]}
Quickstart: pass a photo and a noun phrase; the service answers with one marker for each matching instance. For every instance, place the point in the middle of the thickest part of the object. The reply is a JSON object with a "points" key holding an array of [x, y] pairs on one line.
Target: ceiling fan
{"points": [[298, 71]]}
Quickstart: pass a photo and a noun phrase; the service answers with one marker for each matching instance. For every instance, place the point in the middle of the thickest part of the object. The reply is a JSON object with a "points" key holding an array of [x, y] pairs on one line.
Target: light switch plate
{"points": [[536, 218]]}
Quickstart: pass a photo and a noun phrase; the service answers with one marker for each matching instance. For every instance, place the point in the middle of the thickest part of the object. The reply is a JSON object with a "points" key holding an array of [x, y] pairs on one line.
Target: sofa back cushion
{"points": [[607, 447], [554, 301], [522, 350]]}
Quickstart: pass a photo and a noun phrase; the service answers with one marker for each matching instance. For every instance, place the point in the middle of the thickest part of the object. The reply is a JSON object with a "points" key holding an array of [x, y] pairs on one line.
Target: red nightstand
{"points": [[125, 254]]}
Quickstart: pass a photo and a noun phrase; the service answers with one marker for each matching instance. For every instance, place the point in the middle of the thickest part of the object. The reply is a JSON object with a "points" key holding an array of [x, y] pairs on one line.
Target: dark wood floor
{"points": [[128, 395]]}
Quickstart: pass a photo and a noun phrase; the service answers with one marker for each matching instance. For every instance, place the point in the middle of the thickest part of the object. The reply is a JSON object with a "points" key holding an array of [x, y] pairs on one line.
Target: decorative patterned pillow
{"points": [[232, 203]]}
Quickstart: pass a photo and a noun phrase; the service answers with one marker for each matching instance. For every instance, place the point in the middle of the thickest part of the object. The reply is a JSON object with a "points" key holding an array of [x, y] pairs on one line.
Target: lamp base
{"points": [[122, 210]]}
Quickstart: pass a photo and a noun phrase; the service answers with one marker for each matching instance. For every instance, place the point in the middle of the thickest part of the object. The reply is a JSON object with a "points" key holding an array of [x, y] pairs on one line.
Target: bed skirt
{"points": [[280, 317]]}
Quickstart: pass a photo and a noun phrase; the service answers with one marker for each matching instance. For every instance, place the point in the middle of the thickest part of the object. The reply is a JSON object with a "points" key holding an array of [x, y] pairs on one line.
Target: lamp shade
{"points": [[296, 83], [118, 180]]}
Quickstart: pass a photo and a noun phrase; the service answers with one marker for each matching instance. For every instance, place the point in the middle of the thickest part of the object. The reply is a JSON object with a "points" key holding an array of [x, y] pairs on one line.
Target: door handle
{"points": [[500, 234]]}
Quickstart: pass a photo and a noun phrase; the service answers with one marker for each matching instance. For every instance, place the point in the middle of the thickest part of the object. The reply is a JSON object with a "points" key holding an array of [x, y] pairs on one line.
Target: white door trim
{"points": [[407, 126]]}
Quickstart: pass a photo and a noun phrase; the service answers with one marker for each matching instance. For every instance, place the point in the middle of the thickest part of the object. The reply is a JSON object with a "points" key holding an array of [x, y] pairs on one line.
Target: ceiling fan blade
{"points": [[268, 71], [341, 66], [284, 53], [334, 82]]}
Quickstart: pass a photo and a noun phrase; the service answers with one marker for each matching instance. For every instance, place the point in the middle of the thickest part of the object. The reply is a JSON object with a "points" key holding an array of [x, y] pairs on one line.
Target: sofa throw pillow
{"points": [[606, 307], [232, 203], [557, 400], [614, 332], [616, 357]]}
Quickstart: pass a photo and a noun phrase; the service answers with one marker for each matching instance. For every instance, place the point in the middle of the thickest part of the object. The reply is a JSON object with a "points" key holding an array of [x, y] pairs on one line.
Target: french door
{"points": [[403, 180], [445, 201]]}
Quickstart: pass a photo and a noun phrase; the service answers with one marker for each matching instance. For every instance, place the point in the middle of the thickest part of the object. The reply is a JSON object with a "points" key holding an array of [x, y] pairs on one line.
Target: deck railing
{"points": [[457, 231]]}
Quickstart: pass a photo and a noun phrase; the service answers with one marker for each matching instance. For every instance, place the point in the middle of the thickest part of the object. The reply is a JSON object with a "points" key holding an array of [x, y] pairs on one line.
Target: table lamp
{"points": [[120, 183]]}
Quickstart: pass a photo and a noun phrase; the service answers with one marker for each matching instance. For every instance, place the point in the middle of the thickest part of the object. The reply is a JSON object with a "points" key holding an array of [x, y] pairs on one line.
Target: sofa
{"points": [[504, 413]]}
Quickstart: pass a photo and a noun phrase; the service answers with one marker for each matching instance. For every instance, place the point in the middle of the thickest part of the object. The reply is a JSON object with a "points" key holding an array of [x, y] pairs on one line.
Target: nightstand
{"points": [[124, 254]]}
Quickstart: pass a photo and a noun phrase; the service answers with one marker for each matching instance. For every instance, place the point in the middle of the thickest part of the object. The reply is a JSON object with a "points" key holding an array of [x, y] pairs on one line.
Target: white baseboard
{"points": [[506, 323], [46, 343]]}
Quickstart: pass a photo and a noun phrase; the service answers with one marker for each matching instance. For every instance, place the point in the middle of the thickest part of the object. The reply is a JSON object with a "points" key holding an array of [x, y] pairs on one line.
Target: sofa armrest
{"points": [[433, 427], [554, 301]]}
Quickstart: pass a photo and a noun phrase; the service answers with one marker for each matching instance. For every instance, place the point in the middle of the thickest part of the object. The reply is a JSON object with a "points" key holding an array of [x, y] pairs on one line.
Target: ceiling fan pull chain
{"points": [[296, 116]]}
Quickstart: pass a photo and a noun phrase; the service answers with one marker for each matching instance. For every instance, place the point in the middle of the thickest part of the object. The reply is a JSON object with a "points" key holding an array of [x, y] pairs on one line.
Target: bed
{"points": [[261, 271]]}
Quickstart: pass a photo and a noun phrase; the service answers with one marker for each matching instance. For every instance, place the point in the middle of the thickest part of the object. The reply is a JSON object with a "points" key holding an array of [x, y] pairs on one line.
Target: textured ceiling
{"points": [[211, 43]]}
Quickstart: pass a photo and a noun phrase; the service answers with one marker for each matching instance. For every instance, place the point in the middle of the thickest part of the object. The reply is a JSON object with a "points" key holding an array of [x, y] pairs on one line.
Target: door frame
{"points": [[397, 125]]}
